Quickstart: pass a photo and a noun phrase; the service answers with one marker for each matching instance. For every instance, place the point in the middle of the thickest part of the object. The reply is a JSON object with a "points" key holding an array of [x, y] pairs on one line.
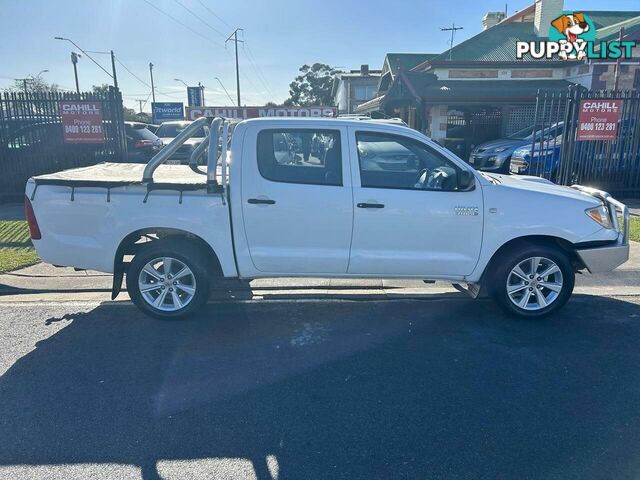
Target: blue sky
{"points": [[280, 36]]}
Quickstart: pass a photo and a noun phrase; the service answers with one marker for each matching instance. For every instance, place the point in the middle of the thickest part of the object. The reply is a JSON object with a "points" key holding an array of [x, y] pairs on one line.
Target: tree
{"points": [[312, 87], [104, 88], [33, 84], [270, 104]]}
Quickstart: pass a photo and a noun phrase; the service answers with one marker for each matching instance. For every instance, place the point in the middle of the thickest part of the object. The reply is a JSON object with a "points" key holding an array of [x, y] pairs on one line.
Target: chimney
{"points": [[546, 12], [491, 19], [364, 70]]}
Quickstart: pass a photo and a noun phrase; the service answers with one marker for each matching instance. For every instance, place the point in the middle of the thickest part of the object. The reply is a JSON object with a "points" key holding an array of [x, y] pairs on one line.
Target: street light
{"points": [[115, 81], [181, 81]]}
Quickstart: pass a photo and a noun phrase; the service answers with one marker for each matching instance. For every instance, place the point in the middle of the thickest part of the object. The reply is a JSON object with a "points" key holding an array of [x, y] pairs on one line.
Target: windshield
{"points": [[524, 134], [528, 133], [172, 130], [141, 133]]}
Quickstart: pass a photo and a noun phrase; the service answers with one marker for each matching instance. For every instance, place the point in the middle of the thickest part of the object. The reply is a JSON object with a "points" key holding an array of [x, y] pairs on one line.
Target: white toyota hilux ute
{"points": [[312, 197]]}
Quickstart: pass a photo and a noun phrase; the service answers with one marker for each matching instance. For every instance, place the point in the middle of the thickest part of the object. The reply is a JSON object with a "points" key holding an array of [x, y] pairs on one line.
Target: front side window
{"points": [[394, 161], [300, 156]]}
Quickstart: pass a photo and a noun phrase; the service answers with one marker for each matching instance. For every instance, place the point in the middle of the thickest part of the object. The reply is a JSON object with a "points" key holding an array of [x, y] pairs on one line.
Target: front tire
{"points": [[532, 280], [167, 279]]}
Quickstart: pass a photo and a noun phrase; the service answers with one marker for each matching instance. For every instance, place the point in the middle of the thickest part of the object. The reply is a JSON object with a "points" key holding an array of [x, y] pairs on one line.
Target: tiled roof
{"points": [[407, 61], [602, 19], [497, 44], [613, 31]]}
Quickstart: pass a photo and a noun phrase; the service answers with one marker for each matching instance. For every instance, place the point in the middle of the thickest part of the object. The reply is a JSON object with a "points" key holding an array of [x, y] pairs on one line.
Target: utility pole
{"points": [[140, 101], [113, 68], [616, 78], [235, 40], [453, 29], [153, 90], [74, 60]]}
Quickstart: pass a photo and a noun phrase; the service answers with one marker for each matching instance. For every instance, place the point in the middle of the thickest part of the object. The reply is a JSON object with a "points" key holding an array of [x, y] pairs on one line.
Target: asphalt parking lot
{"points": [[288, 389]]}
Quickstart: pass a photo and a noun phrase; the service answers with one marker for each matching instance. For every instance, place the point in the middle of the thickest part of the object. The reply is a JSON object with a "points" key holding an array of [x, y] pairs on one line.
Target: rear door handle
{"points": [[261, 201], [370, 205]]}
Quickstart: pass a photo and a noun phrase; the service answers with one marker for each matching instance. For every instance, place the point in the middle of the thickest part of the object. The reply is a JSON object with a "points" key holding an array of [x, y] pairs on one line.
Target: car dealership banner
{"points": [[194, 96], [598, 119], [162, 111], [81, 122], [255, 112]]}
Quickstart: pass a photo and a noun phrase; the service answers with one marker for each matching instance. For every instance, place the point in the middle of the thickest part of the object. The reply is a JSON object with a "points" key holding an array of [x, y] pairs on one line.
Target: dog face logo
{"points": [[572, 36], [572, 31], [571, 25]]}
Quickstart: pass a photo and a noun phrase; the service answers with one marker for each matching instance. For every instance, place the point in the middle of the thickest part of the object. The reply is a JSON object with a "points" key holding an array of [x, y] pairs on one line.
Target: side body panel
{"points": [[307, 228], [86, 232], [512, 213], [417, 232]]}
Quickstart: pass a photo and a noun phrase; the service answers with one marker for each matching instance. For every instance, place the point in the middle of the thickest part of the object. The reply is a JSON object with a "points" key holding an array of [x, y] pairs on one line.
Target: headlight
{"points": [[542, 153], [500, 149], [600, 215]]}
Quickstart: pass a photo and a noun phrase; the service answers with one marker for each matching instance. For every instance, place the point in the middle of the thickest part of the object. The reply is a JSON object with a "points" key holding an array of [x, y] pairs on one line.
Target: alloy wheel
{"points": [[534, 283], [167, 284]]}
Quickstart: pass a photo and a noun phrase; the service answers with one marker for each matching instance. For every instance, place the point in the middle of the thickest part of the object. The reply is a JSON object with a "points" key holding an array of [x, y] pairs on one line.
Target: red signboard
{"points": [[598, 119], [255, 112], [82, 122]]}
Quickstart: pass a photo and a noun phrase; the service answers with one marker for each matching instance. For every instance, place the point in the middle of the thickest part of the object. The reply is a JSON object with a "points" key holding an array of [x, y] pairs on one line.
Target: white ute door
{"points": [[411, 218], [297, 200]]}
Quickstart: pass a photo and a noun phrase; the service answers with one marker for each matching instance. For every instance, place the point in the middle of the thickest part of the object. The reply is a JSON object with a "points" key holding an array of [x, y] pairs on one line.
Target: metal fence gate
{"points": [[561, 152], [32, 140]]}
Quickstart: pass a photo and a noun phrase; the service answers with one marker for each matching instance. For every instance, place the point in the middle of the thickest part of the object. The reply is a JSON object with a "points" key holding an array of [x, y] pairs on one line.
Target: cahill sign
{"points": [[572, 36], [255, 112]]}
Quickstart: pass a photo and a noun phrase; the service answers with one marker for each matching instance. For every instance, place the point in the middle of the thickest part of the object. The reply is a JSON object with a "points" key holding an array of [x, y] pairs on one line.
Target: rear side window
{"points": [[300, 156]]}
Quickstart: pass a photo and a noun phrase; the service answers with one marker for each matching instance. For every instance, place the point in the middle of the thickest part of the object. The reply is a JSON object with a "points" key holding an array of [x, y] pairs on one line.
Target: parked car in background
{"points": [[142, 144], [495, 156], [170, 130]]}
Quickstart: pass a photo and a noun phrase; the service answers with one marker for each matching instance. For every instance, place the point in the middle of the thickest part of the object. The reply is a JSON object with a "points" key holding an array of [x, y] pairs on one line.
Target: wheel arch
{"points": [[136, 240], [547, 240]]}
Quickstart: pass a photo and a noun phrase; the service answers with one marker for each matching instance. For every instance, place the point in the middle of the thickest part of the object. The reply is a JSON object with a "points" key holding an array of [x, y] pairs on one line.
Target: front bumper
{"points": [[608, 257]]}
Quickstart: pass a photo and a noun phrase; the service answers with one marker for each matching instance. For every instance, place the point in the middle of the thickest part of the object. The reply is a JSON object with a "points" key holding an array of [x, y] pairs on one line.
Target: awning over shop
{"points": [[489, 91]]}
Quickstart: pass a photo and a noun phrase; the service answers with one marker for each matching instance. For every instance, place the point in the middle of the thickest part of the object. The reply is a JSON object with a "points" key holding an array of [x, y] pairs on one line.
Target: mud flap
{"points": [[118, 275]]}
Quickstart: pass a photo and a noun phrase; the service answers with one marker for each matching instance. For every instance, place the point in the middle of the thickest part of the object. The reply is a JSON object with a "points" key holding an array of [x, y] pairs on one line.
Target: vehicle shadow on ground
{"points": [[390, 389]]}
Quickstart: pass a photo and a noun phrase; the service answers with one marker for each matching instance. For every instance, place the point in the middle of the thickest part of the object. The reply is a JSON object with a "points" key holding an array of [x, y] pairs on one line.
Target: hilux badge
{"points": [[467, 211]]}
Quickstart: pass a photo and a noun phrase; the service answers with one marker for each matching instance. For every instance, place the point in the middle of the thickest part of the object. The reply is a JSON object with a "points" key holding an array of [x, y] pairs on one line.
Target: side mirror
{"points": [[466, 180]]}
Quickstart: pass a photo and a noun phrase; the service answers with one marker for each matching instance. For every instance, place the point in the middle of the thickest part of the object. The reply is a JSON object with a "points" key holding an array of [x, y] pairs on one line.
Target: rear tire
{"points": [[532, 280], [168, 280]]}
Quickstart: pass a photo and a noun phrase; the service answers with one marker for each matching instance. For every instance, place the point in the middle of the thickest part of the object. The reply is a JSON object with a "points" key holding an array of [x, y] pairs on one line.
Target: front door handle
{"points": [[261, 201], [370, 205]]}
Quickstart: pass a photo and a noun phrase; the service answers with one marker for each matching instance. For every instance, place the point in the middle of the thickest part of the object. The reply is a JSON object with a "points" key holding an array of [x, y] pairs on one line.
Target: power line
{"points": [[215, 14], [257, 69], [200, 19], [132, 74], [180, 23]]}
